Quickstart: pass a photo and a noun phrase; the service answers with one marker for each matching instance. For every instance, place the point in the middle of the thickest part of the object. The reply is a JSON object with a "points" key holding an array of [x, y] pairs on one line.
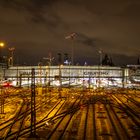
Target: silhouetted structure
{"points": [[138, 61], [107, 61], [4, 61], [59, 58], [66, 59]]}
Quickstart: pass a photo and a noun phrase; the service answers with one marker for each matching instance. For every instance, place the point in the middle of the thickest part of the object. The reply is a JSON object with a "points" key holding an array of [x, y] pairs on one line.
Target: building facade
{"points": [[76, 76]]}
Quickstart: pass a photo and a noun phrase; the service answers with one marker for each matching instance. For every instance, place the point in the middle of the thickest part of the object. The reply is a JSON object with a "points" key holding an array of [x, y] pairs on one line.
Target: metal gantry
{"points": [[33, 111], [1, 102]]}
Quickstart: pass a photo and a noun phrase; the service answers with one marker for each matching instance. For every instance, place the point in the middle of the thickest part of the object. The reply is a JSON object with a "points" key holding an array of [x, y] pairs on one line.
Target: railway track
{"points": [[13, 127], [17, 123], [119, 130], [25, 131], [86, 116]]}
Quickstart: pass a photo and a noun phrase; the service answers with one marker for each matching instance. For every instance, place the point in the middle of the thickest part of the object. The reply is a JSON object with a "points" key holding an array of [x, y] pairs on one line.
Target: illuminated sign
{"points": [[96, 73]]}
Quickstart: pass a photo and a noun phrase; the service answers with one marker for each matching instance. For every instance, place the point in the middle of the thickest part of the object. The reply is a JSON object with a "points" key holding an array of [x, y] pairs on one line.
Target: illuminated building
{"points": [[74, 76]]}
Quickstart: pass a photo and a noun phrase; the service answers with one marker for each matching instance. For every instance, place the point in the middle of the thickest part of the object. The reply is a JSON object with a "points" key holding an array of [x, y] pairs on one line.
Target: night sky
{"points": [[39, 27]]}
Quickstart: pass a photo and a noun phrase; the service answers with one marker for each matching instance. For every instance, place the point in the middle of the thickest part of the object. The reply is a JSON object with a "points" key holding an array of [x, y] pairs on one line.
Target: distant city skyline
{"points": [[37, 28]]}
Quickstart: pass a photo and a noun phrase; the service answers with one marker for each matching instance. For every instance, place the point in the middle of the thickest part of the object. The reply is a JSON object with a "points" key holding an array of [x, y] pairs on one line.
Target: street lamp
{"points": [[2, 44]]}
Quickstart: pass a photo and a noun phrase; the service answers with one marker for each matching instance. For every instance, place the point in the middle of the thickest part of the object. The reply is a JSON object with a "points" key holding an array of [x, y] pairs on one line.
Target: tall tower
{"points": [[11, 56]]}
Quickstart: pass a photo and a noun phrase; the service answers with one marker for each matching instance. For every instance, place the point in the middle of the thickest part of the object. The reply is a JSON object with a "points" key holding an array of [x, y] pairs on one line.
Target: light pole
{"points": [[2, 44], [100, 53], [72, 37], [40, 73]]}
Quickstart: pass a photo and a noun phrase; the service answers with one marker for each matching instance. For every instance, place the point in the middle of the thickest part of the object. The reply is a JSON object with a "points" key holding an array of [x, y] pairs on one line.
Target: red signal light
{"points": [[7, 84]]}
